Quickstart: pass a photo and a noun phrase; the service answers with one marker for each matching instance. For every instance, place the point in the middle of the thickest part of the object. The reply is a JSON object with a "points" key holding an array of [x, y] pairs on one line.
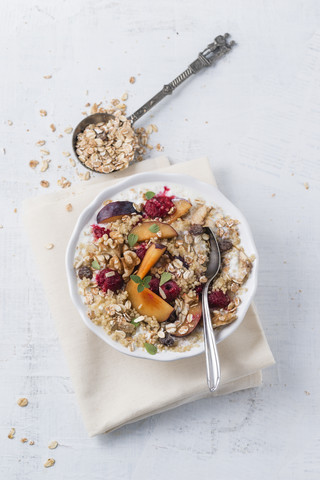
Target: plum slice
{"points": [[147, 230], [154, 252], [187, 327], [148, 303], [182, 207], [115, 210]]}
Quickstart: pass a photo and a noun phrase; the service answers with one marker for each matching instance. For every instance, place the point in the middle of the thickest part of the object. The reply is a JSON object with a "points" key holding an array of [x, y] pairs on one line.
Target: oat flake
{"points": [[22, 402]]}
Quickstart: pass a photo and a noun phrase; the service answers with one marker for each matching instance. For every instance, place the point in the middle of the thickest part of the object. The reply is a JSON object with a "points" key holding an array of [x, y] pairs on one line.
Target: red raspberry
{"points": [[98, 232], [199, 289], [141, 250], [158, 206], [154, 285], [112, 283], [218, 299], [171, 290]]}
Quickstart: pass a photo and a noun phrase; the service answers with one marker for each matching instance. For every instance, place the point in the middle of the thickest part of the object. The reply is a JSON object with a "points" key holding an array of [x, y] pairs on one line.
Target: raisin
{"points": [[168, 340], [85, 272], [196, 229], [224, 244]]}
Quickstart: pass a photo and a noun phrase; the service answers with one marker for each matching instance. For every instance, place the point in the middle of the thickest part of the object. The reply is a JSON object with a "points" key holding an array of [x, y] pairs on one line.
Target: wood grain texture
{"points": [[257, 117]]}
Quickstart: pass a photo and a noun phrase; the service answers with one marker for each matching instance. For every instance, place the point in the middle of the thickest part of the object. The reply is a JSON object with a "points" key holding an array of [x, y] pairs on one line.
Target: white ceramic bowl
{"points": [[212, 195]]}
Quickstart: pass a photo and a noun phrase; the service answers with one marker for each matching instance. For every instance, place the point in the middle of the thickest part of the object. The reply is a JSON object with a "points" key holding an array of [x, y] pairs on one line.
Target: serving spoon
{"points": [[212, 358], [209, 56]]}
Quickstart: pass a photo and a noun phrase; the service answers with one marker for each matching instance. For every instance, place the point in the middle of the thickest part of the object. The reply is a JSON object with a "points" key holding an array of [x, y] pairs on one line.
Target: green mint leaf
{"points": [[141, 287], [165, 277], [146, 281], [152, 349], [135, 278], [154, 228], [136, 324], [150, 195], [132, 239], [95, 265]]}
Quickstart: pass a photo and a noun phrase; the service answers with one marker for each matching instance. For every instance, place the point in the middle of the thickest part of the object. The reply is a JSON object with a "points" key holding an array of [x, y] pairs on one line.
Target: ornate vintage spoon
{"points": [[215, 50], [212, 358]]}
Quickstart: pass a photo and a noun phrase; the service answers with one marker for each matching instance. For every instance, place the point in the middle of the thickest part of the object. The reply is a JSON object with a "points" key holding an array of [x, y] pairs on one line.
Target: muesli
{"points": [[141, 267]]}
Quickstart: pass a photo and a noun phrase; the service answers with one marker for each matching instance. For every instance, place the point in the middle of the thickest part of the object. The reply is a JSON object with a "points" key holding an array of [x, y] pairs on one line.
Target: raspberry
{"points": [[154, 285], [98, 232], [141, 250], [171, 290], [218, 299], [158, 206], [199, 289], [112, 283]]}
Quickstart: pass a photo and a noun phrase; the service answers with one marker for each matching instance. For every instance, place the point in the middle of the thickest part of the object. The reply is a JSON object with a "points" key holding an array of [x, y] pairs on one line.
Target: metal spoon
{"points": [[212, 358], [215, 50]]}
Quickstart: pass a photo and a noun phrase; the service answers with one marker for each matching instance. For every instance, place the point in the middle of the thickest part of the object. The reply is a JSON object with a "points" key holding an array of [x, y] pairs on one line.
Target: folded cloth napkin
{"points": [[115, 389]]}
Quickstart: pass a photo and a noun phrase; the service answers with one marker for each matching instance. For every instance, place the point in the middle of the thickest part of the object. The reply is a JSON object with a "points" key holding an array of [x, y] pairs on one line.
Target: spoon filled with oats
{"points": [[105, 142]]}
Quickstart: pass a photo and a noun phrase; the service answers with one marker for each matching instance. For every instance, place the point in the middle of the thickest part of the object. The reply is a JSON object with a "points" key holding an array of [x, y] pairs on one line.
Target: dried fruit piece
{"points": [[224, 244], [168, 340], [85, 272], [196, 229]]}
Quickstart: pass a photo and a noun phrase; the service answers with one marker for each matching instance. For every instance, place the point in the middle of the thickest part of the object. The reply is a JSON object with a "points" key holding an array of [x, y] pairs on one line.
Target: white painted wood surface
{"points": [[257, 116]]}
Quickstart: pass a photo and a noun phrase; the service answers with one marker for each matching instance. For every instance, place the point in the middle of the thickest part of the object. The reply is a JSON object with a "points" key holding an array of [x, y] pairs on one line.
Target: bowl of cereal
{"points": [[136, 265]]}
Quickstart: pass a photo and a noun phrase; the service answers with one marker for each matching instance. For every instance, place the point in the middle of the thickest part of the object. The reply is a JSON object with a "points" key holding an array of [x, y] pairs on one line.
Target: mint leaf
{"points": [[135, 278], [152, 349], [154, 228], [95, 265], [150, 195], [165, 277], [146, 281], [141, 287], [132, 239]]}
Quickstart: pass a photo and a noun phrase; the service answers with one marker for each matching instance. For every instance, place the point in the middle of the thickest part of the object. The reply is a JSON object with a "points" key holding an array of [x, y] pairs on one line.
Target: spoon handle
{"points": [[209, 56], [212, 358]]}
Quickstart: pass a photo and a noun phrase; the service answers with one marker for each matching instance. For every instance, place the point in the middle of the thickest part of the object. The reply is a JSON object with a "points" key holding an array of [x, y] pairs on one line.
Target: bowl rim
{"points": [[186, 181]]}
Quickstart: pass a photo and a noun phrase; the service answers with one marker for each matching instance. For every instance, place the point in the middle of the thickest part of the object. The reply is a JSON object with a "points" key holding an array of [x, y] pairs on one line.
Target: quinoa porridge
{"points": [[141, 265]]}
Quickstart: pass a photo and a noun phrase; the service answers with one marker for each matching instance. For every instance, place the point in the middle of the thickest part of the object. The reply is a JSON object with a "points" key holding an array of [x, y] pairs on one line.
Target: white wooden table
{"points": [[257, 116]]}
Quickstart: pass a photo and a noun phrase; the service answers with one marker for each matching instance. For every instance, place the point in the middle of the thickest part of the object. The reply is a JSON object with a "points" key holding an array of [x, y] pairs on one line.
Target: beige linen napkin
{"points": [[114, 389]]}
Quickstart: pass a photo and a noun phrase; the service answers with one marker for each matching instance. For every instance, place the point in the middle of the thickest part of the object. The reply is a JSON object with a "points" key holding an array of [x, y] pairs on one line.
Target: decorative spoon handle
{"points": [[212, 358], [209, 56]]}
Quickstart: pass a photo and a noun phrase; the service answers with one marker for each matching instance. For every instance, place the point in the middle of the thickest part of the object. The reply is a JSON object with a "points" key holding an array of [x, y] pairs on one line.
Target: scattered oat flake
{"points": [[11, 433], [72, 162], [33, 163], [31, 442], [49, 463], [10, 122], [40, 143], [44, 165], [84, 176], [273, 195], [306, 185], [50, 246], [4, 151], [23, 440], [53, 128], [66, 154], [159, 147], [44, 183], [64, 183], [132, 79], [69, 207], [1, 226], [154, 127], [44, 152], [52, 445], [47, 76], [15, 210], [124, 97], [68, 130], [306, 392], [22, 402], [43, 113]]}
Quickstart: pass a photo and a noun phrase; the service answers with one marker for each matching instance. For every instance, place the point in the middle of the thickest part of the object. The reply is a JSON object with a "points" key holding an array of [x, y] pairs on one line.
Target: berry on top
{"points": [[171, 290], [98, 231], [218, 299], [109, 282]]}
